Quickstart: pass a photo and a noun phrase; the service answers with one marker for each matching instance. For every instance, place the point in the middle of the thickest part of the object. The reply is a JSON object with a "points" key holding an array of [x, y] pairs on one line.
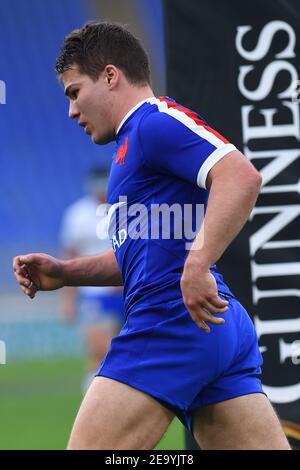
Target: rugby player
{"points": [[188, 347]]}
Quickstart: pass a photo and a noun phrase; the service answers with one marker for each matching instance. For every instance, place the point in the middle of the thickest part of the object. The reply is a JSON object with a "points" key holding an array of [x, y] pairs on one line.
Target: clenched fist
{"points": [[38, 271]]}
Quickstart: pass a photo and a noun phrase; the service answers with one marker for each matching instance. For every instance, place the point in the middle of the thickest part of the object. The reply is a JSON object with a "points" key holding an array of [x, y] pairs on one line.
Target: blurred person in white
{"points": [[99, 310]]}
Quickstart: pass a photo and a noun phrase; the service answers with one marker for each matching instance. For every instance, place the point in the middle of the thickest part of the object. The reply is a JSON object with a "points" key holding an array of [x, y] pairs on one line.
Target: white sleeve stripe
{"points": [[189, 122], [211, 161]]}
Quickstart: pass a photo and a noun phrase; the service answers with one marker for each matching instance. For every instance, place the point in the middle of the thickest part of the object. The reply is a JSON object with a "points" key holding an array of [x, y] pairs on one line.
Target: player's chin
{"points": [[101, 139]]}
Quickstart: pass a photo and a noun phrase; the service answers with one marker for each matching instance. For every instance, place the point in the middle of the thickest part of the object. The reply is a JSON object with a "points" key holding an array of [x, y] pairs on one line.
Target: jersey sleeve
{"points": [[179, 143]]}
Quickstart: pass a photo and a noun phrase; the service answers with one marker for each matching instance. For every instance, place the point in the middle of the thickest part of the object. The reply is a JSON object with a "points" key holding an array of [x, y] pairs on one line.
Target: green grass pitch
{"points": [[39, 401]]}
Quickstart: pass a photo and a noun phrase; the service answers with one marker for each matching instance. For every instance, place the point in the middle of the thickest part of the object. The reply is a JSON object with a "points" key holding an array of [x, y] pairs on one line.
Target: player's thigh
{"points": [[114, 415], [245, 422]]}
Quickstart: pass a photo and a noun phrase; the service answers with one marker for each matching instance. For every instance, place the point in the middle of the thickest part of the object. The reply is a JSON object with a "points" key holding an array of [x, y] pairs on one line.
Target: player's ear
{"points": [[111, 75]]}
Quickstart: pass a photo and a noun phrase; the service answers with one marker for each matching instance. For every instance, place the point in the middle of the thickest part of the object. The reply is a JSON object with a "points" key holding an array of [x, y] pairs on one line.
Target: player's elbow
{"points": [[253, 179]]}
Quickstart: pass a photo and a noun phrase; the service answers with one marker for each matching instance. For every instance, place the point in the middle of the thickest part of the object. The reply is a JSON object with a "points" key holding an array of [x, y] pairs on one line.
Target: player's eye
{"points": [[73, 94]]}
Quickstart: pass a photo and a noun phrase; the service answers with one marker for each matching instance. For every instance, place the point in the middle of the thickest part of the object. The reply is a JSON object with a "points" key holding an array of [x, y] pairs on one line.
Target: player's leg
{"points": [[245, 422], [116, 416]]}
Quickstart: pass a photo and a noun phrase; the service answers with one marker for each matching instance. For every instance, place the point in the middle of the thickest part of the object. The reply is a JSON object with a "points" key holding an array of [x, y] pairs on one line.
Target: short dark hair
{"points": [[97, 44]]}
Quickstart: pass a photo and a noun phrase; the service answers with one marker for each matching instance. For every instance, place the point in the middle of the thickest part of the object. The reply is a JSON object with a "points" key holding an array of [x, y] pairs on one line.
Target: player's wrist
{"points": [[198, 259], [65, 270]]}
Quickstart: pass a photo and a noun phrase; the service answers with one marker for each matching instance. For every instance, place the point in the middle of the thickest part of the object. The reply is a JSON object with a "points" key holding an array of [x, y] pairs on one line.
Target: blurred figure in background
{"points": [[99, 310]]}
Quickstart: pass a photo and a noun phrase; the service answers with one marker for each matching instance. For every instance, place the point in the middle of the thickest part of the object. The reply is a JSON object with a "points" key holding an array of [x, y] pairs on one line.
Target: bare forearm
{"points": [[69, 294], [229, 205], [100, 270]]}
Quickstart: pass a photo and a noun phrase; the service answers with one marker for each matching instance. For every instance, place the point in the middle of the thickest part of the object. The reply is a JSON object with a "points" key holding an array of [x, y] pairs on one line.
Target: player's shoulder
{"points": [[161, 118], [166, 124]]}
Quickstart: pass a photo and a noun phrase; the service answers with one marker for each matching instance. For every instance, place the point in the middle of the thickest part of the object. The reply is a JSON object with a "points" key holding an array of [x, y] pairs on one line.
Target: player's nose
{"points": [[73, 111]]}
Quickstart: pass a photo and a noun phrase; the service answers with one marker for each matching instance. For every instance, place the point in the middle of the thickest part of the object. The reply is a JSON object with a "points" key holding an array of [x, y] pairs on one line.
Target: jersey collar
{"points": [[132, 110]]}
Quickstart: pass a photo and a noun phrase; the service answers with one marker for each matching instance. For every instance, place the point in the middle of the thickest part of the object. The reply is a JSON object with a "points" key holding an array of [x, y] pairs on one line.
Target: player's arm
{"points": [[38, 271], [233, 184]]}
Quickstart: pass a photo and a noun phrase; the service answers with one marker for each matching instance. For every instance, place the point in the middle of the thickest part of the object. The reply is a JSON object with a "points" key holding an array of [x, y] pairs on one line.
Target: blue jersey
{"points": [[164, 154]]}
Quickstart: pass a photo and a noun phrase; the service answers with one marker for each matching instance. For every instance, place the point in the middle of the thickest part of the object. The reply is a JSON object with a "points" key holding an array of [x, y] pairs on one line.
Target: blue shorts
{"points": [[162, 352], [103, 309]]}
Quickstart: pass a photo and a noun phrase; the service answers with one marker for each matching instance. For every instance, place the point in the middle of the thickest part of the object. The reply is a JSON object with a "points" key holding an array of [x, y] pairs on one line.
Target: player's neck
{"points": [[133, 97]]}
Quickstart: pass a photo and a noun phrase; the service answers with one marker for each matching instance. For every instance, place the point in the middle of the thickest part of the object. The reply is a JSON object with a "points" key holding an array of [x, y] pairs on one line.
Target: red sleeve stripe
{"points": [[194, 116]]}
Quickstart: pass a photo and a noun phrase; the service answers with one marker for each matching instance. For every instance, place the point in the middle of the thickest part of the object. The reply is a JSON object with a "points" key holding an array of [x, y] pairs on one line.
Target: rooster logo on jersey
{"points": [[120, 159]]}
